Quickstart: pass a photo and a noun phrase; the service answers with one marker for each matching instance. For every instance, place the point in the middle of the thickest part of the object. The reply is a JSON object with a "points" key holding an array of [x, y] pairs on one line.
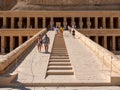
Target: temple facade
{"points": [[101, 26]]}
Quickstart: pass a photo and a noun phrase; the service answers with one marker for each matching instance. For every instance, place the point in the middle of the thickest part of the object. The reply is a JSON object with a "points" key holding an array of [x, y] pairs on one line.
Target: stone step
{"points": [[59, 57], [59, 68], [59, 54], [59, 63], [60, 72], [59, 60]]}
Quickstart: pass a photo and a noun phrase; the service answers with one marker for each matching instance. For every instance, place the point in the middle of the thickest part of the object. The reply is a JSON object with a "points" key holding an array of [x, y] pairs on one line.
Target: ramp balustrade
{"points": [[8, 59], [108, 58]]}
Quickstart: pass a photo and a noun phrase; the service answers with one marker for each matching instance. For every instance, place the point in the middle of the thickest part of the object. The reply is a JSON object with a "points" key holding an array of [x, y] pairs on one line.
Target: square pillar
{"points": [[20, 40], [80, 22], [43, 22], [4, 22], [104, 23], [88, 22], [65, 22], [12, 22], [20, 22], [11, 43], [36, 22], [2, 44], [114, 43], [28, 22], [51, 22], [105, 42], [72, 22], [96, 39], [96, 22], [111, 22]]}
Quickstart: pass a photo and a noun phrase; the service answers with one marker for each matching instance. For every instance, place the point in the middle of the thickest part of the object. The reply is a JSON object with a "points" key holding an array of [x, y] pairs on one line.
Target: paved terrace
{"points": [[87, 67]]}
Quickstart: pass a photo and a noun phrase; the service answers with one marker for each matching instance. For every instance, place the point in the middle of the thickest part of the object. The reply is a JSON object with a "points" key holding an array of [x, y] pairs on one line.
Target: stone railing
{"points": [[108, 58], [7, 60]]}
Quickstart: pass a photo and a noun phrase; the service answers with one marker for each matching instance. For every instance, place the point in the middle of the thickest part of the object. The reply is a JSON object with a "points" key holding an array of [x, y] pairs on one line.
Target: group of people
{"points": [[59, 30], [41, 41]]}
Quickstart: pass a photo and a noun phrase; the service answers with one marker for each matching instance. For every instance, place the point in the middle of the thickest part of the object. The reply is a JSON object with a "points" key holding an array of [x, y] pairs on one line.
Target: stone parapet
{"points": [[13, 56], [108, 58]]}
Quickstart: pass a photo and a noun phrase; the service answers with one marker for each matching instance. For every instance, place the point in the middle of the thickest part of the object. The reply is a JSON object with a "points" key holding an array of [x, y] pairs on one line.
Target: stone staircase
{"points": [[59, 63]]}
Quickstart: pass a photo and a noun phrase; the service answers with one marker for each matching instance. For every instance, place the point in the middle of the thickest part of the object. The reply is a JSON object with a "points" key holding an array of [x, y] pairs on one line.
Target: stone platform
{"points": [[87, 68]]}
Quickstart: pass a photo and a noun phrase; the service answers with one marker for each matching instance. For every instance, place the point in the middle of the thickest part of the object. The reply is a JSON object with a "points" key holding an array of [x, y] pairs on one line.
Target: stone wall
{"points": [[73, 2], [7, 4]]}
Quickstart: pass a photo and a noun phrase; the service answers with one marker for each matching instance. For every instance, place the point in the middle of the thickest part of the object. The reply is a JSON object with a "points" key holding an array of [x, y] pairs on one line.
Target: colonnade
{"points": [[8, 43], [111, 43], [78, 22]]}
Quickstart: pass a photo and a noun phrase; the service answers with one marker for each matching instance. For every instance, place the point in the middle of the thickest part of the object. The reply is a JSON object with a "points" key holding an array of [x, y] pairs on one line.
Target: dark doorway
{"points": [[15, 42], [0, 44], [84, 20], [58, 20], [32, 22], [40, 24], [1, 22], [69, 21], [47, 22], [92, 20], [115, 22], [7, 44], [77, 23], [8, 20], [16, 20], [118, 43], [109, 43], [101, 40], [100, 22], [24, 22], [24, 38], [107, 22], [93, 38]]}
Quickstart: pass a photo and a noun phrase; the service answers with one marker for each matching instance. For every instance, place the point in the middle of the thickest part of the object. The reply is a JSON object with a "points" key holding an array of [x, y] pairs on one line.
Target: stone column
{"points": [[51, 21], [4, 22], [11, 43], [43, 22], [114, 43], [28, 22], [105, 42], [2, 44], [80, 22], [36, 22], [65, 22], [12, 22], [104, 23], [111, 22], [20, 22], [72, 21], [20, 40], [96, 22], [88, 22], [96, 39]]}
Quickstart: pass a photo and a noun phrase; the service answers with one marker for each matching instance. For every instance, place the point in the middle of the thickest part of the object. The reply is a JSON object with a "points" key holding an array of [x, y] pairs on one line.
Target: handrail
{"points": [[108, 58], [11, 57]]}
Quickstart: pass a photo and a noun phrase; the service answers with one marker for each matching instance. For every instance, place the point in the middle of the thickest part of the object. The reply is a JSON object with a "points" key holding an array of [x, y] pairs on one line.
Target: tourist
{"points": [[73, 33], [61, 30], [39, 43], [46, 43], [69, 28]]}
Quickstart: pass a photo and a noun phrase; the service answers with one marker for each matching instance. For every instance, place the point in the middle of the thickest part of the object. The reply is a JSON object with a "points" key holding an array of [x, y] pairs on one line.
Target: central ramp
{"points": [[59, 63], [69, 63]]}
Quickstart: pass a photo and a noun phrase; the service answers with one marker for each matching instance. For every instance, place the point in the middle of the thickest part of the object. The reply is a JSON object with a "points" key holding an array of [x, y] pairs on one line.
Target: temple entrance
{"points": [[58, 22]]}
